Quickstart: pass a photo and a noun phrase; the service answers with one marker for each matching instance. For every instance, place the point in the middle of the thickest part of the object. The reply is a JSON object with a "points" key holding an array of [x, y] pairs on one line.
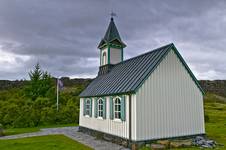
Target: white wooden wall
{"points": [[118, 128], [115, 55], [168, 104]]}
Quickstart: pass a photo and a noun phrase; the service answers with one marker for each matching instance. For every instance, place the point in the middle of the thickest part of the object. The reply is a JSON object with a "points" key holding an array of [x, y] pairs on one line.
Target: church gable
{"points": [[173, 50], [169, 92]]}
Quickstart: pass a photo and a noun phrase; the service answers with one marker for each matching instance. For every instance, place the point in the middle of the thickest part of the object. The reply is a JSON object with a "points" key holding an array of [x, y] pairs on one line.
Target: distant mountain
{"points": [[7, 84], [216, 86]]}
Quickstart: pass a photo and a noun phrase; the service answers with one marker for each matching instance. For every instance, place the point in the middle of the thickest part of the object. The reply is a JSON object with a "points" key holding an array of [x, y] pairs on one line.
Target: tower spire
{"points": [[111, 47], [111, 35]]}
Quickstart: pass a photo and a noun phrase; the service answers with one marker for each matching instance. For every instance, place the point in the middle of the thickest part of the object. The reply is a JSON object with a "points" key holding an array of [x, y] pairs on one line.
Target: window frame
{"points": [[100, 108], [118, 109], [88, 109], [104, 58]]}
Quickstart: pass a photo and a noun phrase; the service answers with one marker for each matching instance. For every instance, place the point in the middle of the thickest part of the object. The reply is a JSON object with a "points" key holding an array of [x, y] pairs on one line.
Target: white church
{"points": [[151, 96]]}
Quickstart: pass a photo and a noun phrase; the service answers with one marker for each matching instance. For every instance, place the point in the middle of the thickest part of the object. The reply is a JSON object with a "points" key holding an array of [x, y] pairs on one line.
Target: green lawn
{"points": [[12, 131], [50, 142]]}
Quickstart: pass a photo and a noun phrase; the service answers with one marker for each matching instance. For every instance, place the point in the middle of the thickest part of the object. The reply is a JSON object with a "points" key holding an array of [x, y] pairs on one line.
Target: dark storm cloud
{"points": [[63, 35]]}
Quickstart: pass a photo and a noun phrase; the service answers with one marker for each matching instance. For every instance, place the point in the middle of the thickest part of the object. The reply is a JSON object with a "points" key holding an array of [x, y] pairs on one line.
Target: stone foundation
{"points": [[108, 137], [135, 145]]}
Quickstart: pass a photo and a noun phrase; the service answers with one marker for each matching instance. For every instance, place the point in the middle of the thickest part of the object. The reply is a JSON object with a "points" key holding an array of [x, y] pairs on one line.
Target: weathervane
{"points": [[113, 14]]}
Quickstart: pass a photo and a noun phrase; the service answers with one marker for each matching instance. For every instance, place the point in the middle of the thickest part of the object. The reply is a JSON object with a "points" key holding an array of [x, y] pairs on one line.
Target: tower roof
{"points": [[111, 35]]}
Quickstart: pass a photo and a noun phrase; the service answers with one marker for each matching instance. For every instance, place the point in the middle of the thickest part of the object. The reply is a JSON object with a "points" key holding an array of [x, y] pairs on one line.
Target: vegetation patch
{"points": [[34, 104]]}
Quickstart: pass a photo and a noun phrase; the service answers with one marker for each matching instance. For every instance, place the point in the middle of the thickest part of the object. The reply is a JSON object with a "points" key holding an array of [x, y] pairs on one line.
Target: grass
{"points": [[13, 131], [216, 127], [50, 142], [215, 109]]}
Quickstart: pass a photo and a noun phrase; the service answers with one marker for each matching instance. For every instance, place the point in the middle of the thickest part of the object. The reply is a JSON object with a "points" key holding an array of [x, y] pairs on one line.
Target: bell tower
{"points": [[111, 48]]}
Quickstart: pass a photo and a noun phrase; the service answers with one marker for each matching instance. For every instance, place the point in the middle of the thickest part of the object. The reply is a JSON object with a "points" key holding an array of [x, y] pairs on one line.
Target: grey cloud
{"points": [[63, 35]]}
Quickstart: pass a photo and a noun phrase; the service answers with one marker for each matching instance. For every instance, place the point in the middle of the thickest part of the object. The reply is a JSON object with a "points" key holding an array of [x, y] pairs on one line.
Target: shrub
{"points": [[207, 118], [1, 130]]}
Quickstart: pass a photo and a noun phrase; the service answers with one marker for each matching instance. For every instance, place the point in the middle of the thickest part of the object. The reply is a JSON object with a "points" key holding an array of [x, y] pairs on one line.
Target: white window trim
{"points": [[104, 55], [117, 119], [90, 105], [100, 117]]}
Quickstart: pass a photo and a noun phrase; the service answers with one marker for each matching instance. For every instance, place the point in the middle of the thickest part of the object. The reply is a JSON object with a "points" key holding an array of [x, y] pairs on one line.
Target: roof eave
{"points": [[110, 94]]}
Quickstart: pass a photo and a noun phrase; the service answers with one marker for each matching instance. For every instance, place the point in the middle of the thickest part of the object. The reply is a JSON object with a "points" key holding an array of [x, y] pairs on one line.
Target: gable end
{"points": [[183, 63]]}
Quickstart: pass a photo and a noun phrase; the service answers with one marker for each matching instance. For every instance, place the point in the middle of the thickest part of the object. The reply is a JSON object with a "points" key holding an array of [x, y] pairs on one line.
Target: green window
{"points": [[100, 108], [88, 107], [117, 108]]}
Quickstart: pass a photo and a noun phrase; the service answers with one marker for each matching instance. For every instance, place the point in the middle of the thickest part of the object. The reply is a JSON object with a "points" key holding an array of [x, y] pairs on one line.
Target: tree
{"points": [[40, 83]]}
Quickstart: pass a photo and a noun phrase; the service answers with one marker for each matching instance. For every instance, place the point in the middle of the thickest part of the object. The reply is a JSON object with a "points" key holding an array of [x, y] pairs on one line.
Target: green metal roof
{"points": [[129, 75], [111, 35]]}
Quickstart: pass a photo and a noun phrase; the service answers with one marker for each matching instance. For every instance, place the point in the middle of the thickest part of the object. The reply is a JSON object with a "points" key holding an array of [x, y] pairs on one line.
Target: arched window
{"points": [[88, 107], [117, 108], [100, 107], [104, 58]]}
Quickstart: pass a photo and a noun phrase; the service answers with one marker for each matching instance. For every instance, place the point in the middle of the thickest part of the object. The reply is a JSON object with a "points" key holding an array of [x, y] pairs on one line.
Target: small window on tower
{"points": [[104, 58]]}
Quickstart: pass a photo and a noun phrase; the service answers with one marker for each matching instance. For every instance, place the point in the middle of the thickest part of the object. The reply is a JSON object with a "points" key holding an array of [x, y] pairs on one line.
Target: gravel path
{"points": [[71, 132]]}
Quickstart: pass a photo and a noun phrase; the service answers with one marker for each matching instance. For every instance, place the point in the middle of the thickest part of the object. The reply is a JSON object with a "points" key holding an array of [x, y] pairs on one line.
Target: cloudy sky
{"points": [[62, 35]]}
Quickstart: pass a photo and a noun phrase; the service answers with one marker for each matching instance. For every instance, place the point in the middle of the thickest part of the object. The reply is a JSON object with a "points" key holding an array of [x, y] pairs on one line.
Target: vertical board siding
{"points": [[133, 118], [115, 55], [169, 103], [107, 125]]}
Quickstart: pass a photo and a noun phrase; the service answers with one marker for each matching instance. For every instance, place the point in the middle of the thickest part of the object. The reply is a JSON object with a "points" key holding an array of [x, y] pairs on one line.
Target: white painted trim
{"points": [[117, 120], [100, 118]]}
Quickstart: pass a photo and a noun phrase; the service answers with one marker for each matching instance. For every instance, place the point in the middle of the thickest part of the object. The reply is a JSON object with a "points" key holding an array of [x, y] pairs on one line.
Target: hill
{"points": [[216, 86], [7, 84]]}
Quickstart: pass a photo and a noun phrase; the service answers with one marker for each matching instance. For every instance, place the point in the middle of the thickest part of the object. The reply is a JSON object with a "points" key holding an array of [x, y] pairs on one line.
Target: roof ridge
{"points": [[151, 51]]}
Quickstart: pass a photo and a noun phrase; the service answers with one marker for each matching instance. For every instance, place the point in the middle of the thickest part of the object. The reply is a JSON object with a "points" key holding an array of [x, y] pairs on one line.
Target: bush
{"points": [[207, 118], [1, 130]]}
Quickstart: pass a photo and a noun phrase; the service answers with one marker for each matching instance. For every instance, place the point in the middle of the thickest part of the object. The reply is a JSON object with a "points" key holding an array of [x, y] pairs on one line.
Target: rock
{"points": [[180, 143], [204, 143], [164, 142], [107, 138], [158, 147], [175, 144], [124, 143], [186, 143], [134, 146]]}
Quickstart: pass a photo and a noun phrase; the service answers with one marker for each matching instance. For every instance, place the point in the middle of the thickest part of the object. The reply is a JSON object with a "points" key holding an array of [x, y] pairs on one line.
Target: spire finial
{"points": [[112, 15]]}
